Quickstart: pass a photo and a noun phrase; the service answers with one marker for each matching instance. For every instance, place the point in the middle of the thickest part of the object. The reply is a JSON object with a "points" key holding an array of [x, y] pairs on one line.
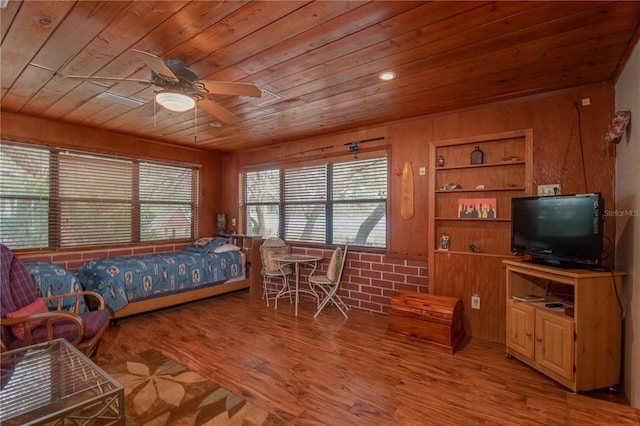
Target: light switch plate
{"points": [[423, 171]]}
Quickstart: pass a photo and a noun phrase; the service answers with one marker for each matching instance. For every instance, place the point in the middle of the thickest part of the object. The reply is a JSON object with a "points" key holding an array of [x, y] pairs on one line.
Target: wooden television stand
{"points": [[579, 347]]}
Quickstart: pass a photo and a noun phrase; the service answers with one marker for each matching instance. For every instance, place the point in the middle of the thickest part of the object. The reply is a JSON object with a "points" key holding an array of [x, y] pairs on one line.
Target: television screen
{"points": [[563, 229]]}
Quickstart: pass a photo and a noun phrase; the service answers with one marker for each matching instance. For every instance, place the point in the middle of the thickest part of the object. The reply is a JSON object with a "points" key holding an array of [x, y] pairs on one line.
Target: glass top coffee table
{"points": [[53, 381]]}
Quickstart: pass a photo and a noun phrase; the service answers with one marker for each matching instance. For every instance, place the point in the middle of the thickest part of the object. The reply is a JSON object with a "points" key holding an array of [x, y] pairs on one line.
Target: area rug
{"points": [[160, 391]]}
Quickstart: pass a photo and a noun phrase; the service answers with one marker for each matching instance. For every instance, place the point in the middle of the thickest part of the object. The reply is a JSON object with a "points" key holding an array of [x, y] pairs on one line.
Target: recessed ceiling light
{"points": [[387, 75]]}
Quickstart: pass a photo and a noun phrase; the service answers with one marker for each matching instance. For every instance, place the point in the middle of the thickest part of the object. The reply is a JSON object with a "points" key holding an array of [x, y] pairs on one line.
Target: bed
{"points": [[140, 283]]}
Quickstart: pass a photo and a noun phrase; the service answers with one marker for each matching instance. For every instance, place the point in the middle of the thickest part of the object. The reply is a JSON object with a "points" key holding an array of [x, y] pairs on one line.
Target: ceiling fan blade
{"points": [[157, 65], [116, 79], [230, 88], [217, 111]]}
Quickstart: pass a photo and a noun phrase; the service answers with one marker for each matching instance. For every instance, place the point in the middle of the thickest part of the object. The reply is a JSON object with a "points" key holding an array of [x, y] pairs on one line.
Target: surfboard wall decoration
{"points": [[406, 202]]}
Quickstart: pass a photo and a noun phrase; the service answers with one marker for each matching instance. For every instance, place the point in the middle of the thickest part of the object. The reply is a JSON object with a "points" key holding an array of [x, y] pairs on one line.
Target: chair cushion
{"points": [[333, 271], [94, 321], [286, 270], [67, 329], [36, 307]]}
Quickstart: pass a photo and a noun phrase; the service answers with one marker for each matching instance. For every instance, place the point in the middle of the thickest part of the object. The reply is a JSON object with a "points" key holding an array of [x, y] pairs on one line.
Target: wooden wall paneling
{"points": [[464, 275], [229, 191], [399, 229]]}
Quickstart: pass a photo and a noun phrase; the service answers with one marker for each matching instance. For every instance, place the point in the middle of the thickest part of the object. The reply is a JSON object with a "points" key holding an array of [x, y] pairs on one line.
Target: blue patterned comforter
{"points": [[125, 279]]}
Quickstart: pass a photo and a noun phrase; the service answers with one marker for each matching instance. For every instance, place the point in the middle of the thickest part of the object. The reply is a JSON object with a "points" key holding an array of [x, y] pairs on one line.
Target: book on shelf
{"points": [[529, 298]]}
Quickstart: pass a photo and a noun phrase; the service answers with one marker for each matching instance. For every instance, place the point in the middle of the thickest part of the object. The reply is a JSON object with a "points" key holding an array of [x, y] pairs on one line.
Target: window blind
{"points": [[166, 202], [305, 203], [94, 201], [52, 198], [359, 195], [262, 202], [24, 196], [332, 203]]}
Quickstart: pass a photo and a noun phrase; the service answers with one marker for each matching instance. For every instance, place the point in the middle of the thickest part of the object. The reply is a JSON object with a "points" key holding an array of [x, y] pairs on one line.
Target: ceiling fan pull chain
{"points": [[195, 123]]}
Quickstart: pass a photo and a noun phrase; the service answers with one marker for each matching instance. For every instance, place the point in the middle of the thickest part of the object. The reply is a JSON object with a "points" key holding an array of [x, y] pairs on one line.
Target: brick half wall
{"points": [[369, 280]]}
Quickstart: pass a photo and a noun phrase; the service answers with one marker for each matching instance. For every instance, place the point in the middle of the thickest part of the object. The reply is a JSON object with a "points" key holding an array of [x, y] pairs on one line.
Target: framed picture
{"points": [[477, 208]]}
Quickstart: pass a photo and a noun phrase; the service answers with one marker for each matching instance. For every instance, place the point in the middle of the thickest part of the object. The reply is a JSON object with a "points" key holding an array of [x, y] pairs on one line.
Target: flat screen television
{"points": [[562, 230]]}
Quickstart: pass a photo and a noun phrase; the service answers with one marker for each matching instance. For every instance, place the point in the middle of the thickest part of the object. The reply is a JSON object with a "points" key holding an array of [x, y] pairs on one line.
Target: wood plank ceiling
{"points": [[322, 59]]}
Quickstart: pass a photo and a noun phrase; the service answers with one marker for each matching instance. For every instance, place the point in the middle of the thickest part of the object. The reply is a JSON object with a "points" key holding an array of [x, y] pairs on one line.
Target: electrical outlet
{"points": [[423, 171], [547, 190], [233, 222], [475, 302]]}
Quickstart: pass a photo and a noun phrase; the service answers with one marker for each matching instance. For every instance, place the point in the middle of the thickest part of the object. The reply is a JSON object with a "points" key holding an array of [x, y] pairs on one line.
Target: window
{"points": [[332, 203], [51, 198], [262, 205]]}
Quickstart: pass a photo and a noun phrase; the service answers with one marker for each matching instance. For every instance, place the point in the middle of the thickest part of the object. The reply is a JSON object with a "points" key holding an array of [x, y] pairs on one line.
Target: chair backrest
{"points": [[269, 248], [16, 287], [336, 264]]}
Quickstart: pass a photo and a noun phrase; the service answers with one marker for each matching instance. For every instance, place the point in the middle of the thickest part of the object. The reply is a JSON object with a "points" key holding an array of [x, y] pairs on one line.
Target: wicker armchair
{"points": [[26, 320]]}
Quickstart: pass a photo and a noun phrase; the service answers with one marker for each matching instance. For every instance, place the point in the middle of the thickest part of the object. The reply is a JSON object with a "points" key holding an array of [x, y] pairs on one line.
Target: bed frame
{"points": [[134, 308]]}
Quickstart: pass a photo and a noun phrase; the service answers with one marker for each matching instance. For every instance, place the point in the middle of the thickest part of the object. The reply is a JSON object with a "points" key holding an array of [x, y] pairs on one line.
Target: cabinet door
{"points": [[554, 343], [520, 323]]}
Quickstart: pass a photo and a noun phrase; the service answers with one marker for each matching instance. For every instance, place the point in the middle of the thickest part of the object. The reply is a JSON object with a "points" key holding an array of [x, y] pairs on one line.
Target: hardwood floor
{"points": [[336, 371]]}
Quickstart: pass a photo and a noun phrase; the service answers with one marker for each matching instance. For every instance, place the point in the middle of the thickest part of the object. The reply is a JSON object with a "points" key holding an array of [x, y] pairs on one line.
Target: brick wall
{"points": [[370, 280]]}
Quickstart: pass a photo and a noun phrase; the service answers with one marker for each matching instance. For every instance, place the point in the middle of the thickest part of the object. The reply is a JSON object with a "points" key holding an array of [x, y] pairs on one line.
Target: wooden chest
{"points": [[428, 318]]}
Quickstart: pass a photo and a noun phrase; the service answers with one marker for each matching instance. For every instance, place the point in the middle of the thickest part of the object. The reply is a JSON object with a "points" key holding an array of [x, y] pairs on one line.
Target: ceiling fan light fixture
{"points": [[178, 102]]}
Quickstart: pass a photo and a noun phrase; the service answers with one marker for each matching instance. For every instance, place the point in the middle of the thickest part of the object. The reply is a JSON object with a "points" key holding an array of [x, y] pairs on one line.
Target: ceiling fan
{"points": [[181, 88]]}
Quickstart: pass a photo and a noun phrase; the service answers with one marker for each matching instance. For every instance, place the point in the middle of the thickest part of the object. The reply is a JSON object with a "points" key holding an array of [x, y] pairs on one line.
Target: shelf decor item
{"points": [[440, 161], [222, 223], [444, 242], [477, 208], [477, 156]]}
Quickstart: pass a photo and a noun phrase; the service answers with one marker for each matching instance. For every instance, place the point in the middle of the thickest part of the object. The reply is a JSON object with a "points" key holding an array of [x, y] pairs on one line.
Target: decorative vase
{"points": [[222, 223]]}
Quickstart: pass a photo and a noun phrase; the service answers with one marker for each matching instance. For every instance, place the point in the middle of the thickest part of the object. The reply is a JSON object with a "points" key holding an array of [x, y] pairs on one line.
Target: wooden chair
{"points": [[329, 283], [25, 318], [270, 268]]}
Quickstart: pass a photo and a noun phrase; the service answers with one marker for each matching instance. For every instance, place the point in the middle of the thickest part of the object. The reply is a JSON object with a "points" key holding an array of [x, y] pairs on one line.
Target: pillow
{"points": [[205, 245], [35, 307], [51, 280], [334, 265], [226, 247]]}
